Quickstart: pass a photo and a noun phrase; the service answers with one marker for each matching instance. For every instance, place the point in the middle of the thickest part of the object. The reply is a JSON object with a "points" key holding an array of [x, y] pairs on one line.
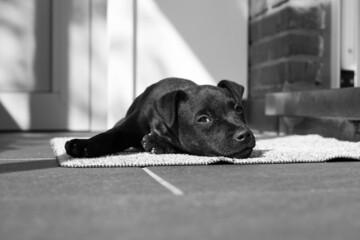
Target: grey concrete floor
{"points": [[39, 200]]}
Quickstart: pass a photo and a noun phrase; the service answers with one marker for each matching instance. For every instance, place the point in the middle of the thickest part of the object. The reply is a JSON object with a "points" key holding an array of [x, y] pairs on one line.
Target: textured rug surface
{"points": [[286, 149]]}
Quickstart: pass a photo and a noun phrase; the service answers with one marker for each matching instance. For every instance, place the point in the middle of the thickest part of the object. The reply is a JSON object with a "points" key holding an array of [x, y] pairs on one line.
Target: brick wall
{"points": [[287, 46], [290, 47]]}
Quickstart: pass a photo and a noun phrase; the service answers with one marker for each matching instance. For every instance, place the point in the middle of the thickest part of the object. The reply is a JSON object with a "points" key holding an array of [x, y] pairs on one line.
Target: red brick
{"points": [[274, 77], [268, 75], [304, 71], [290, 44], [285, 19]]}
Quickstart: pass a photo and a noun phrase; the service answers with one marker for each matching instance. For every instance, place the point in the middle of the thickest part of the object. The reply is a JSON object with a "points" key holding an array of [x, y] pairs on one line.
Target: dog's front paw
{"points": [[155, 144], [78, 148], [147, 142], [157, 150]]}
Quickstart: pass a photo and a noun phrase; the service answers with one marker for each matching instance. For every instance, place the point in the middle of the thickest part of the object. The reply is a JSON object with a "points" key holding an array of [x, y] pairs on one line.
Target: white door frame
{"points": [[357, 46], [335, 53], [345, 38]]}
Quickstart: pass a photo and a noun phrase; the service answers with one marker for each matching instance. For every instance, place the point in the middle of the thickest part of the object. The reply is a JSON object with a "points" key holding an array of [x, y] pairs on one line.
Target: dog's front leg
{"points": [[112, 141]]}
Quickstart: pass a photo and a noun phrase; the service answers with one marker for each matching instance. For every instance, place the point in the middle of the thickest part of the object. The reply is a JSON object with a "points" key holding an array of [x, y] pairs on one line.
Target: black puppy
{"points": [[177, 116]]}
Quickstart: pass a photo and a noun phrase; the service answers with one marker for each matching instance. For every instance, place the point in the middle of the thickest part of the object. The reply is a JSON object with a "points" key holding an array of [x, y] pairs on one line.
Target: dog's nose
{"points": [[243, 136]]}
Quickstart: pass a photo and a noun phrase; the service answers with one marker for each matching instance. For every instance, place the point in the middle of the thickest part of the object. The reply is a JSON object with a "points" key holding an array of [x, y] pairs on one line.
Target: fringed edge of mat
{"points": [[220, 161]]}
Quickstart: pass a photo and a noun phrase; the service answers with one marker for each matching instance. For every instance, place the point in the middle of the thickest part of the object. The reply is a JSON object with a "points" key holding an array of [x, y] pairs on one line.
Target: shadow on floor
{"points": [[342, 160], [27, 166]]}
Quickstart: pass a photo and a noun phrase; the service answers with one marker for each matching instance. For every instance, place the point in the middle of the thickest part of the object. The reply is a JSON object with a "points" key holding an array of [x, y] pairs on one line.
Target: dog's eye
{"points": [[238, 109], [204, 119]]}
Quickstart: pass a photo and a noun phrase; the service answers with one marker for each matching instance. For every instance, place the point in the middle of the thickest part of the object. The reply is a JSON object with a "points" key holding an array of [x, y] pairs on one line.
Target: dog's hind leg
{"points": [[116, 139]]}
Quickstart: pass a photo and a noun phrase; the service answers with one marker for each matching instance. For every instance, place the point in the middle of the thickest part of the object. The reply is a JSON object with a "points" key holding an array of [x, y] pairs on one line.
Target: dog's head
{"points": [[206, 120]]}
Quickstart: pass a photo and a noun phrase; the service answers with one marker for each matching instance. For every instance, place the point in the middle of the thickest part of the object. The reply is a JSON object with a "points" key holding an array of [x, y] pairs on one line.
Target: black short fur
{"points": [[176, 115]]}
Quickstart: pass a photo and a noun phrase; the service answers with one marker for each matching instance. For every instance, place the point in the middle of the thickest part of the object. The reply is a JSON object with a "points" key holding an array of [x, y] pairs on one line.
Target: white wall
{"points": [[203, 40]]}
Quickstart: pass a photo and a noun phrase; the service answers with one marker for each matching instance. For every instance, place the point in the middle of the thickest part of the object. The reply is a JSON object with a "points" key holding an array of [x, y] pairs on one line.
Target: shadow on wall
{"points": [[38, 59], [213, 30], [201, 40], [24, 66], [7, 119], [162, 51]]}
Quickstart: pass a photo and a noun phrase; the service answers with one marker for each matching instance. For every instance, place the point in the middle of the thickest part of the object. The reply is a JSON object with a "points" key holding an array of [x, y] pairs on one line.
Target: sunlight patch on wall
{"points": [[120, 63], [71, 76], [161, 50]]}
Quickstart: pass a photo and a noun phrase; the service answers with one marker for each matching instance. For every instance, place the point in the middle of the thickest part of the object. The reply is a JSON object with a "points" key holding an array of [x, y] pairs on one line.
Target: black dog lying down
{"points": [[177, 116]]}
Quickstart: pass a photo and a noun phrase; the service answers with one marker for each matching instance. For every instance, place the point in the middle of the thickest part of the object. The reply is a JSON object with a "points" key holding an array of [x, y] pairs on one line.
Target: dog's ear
{"points": [[235, 89], [167, 107]]}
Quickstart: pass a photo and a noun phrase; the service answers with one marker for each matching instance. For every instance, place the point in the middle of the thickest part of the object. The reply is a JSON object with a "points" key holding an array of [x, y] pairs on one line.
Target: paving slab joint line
{"points": [[27, 159], [175, 190]]}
